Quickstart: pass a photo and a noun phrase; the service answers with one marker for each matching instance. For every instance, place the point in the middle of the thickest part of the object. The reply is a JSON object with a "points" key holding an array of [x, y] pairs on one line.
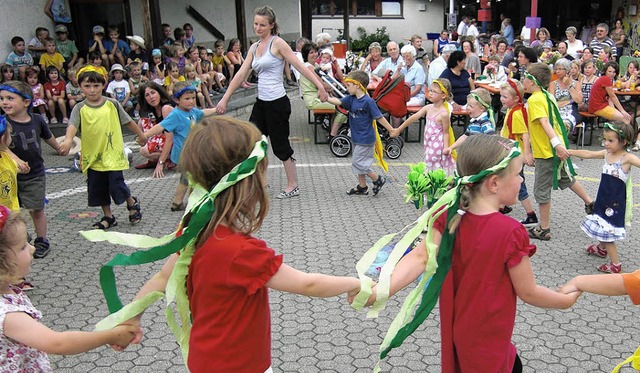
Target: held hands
{"points": [[221, 108], [395, 132], [447, 151], [322, 95], [141, 140], [23, 167], [562, 152], [64, 147], [528, 159], [126, 333]]}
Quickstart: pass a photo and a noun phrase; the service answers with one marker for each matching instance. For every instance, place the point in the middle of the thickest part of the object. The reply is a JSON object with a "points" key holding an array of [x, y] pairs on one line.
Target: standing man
{"points": [[602, 39]]}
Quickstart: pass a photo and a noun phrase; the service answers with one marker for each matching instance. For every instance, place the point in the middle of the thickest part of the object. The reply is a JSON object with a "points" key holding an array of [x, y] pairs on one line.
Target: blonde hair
{"points": [[482, 94], [8, 238], [212, 149], [447, 85], [187, 69], [507, 87], [477, 153]]}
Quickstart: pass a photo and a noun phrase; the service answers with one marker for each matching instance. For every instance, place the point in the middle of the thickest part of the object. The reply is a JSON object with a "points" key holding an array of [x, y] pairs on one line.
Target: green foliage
{"points": [[362, 44], [430, 186]]}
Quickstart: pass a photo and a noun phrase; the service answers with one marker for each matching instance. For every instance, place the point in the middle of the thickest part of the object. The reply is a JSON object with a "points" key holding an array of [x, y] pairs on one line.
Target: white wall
{"points": [[22, 19], [400, 30], [287, 16]]}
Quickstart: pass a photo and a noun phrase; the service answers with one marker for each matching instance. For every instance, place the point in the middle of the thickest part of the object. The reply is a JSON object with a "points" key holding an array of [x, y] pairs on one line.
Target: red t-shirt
{"points": [[55, 89], [477, 301], [598, 99], [229, 303]]}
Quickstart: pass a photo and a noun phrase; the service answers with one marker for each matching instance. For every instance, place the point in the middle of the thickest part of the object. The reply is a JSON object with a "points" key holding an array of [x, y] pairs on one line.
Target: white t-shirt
{"points": [[575, 49], [119, 89], [462, 29]]}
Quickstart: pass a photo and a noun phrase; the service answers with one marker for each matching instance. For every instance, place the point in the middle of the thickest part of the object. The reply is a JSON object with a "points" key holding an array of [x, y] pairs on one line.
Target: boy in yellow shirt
{"points": [[549, 146], [51, 57]]}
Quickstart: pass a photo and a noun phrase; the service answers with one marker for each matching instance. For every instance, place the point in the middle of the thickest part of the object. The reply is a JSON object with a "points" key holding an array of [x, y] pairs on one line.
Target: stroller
{"points": [[389, 96]]}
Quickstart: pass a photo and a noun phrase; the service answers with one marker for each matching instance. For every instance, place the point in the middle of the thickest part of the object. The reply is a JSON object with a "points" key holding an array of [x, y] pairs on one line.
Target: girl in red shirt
{"points": [[603, 101], [231, 271], [56, 91], [490, 264]]}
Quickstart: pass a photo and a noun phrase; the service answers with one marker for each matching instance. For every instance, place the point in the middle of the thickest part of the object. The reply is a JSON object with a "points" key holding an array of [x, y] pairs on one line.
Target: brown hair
{"points": [[8, 238], [360, 76], [267, 11], [627, 132], [542, 72], [477, 153], [212, 149]]}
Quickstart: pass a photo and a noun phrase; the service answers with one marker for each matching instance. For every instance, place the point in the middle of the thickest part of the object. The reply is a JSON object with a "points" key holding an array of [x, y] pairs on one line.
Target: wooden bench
{"points": [[421, 122], [589, 121], [318, 115]]}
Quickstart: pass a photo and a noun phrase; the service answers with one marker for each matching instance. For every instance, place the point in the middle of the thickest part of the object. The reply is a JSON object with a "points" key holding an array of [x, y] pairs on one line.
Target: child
{"points": [[119, 48], [616, 284], [180, 37], [220, 61], [606, 223], [490, 265], [36, 45], [173, 76], [603, 101], [516, 128], [190, 38], [119, 88], [7, 72], [481, 114], [437, 127], [135, 80], [193, 59], [100, 46], [179, 123], [19, 58], [74, 93], [37, 93], [549, 149], [231, 271], [55, 89], [137, 52], [326, 57], [362, 112], [494, 70], [191, 76], [178, 57], [8, 169], [95, 64], [167, 41], [51, 57], [25, 342], [631, 77], [157, 68], [27, 131], [590, 77], [102, 149], [67, 48]]}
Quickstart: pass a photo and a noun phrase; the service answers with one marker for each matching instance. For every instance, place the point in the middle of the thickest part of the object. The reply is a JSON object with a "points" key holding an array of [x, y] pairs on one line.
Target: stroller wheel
{"points": [[344, 130], [394, 148], [340, 146]]}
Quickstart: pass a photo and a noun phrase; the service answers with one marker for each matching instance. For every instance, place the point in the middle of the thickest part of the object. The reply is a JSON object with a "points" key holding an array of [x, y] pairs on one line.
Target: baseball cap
{"points": [[98, 29], [61, 28], [156, 52]]}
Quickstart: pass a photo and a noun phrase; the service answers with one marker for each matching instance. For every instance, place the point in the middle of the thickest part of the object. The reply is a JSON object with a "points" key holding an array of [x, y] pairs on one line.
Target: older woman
{"points": [[310, 91], [543, 37], [413, 75], [566, 91], [574, 46], [472, 65], [155, 105], [373, 59], [461, 82], [508, 32]]}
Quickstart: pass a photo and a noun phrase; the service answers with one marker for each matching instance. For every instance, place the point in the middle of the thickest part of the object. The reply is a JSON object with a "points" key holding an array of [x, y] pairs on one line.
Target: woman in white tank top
{"points": [[272, 108]]}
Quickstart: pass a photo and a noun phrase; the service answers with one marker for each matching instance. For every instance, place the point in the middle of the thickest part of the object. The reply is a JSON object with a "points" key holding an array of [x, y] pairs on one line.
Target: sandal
{"points": [[136, 216], [105, 223], [597, 250], [377, 185], [610, 268], [589, 208], [358, 190], [25, 285], [541, 234], [178, 206]]}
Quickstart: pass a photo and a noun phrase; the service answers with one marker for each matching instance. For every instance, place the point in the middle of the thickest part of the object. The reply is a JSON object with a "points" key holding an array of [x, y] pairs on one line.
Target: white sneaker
{"points": [[54, 120]]}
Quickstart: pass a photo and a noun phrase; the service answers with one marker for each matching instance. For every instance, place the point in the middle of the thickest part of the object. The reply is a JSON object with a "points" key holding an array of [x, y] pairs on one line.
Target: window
{"points": [[359, 8]]}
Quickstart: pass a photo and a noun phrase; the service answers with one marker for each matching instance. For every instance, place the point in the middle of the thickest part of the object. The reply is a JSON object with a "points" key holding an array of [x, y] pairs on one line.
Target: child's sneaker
{"points": [[65, 120], [42, 247], [610, 268], [505, 210], [530, 221], [358, 190], [377, 185], [295, 192], [597, 250], [589, 208], [54, 120]]}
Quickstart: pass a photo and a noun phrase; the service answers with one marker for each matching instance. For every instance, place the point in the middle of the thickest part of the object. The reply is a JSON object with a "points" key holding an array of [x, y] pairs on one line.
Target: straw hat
{"points": [[137, 40]]}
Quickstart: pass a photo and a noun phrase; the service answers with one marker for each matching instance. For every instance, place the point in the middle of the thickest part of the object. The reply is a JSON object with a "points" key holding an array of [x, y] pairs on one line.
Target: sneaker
{"points": [[291, 83], [65, 120], [589, 208], [358, 190], [530, 221], [377, 185], [222, 90], [283, 195], [326, 122], [42, 247], [610, 268], [54, 120]]}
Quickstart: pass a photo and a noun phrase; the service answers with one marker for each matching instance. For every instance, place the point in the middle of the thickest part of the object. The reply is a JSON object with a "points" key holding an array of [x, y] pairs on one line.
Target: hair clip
{"points": [[4, 215]]}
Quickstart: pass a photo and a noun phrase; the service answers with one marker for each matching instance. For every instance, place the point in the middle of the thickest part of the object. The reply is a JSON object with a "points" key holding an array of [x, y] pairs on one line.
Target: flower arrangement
{"points": [[353, 61], [550, 58], [429, 186]]}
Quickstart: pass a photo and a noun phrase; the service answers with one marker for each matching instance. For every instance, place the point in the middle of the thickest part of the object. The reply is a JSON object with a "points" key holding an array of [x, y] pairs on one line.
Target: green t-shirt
{"points": [[66, 48]]}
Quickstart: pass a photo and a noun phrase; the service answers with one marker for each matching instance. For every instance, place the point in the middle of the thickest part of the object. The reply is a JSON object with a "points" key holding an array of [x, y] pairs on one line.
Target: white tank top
{"points": [[270, 70]]}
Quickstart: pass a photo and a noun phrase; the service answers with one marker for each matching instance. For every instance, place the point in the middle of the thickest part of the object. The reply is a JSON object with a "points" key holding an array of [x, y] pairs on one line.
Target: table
{"points": [[493, 88]]}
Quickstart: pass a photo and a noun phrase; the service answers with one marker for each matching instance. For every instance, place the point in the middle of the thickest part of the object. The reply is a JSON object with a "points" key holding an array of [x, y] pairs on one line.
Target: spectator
{"points": [[155, 105], [602, 40], [543, 38], [473, 65], [618, 36], [137, 52], [391, 63], [461, 81], [323, 40], [574, 46], [74, 92], [373, 59], [167, 41], [37, 90], [51, 57], [100, 45], [439, 64], [587, 55], [603, 101], [472, 32], [55, 89], [508, 32], [463, 26], [7, 73], [180, 37], [36, 45], [190, 38], [566, 91], [413, 75], [157, 68], [562, 49], [19, 59], [416, 42], [119, 48], [526, 56], [525, 35], [118, 88], [67, 48], [588, 32], [440, 43]]}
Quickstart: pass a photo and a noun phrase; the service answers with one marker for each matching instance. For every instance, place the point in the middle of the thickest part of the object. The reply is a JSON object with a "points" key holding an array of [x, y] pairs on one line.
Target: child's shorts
{"points": [[523, 193], [362, 159], [102, 186], [31, 193], [632, 285], [543, 180]]}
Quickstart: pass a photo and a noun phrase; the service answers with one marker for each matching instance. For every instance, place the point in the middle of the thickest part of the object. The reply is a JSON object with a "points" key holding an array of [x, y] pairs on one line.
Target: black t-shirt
{"points": [[26, 144]]}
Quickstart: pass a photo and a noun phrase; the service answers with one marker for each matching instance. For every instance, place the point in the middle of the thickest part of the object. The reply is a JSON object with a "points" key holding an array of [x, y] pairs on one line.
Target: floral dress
{"points": [[434, 145], [38, 95], [15, 356]]}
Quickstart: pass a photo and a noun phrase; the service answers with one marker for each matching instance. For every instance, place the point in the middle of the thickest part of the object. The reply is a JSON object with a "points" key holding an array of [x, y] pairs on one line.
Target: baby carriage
{"points": [[389, 96]]}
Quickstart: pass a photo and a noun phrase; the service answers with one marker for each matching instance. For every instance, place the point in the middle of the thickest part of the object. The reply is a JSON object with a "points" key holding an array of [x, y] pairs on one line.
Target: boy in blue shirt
{"points": [[481, 117], [362, 112], [178, 124], [20, 59]]}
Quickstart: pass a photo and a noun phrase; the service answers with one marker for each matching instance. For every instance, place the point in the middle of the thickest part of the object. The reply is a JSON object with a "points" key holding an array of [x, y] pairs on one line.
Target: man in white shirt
{"points": [[463, 27], [438, 65], [393, 62]]}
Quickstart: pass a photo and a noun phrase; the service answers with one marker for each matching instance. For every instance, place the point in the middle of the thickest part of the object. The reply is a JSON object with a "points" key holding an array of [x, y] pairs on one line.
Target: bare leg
{"points": [[106, 211], [292, 174], [181, 190], [545, 212], [612, 250], [527, 205], [580, 192], [39, 222]]}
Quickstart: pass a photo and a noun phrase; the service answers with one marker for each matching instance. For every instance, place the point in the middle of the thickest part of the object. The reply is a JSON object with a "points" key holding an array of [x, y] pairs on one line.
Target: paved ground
{"points": [[327, 231]]}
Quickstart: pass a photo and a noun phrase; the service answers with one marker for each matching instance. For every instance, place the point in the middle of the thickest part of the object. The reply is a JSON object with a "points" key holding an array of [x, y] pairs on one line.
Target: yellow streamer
{"points": [[633, 359]]}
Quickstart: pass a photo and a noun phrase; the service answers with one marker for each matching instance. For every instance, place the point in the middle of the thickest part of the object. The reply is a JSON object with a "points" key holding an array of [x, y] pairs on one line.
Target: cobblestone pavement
{"points": [[324, 230]]}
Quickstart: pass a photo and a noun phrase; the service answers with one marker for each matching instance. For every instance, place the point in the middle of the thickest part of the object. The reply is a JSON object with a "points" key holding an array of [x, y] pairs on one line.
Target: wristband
{"points": [[555, 141]]}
